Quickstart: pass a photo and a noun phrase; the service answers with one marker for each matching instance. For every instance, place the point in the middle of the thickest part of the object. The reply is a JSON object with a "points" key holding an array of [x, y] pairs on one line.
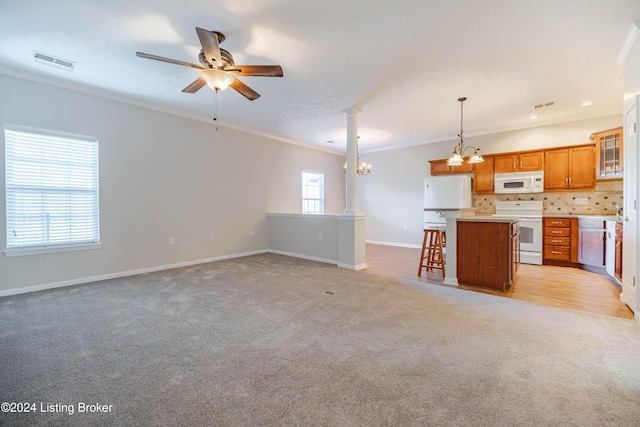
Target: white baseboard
{"points": [[83, 280], [353, 267], [307, 257], [401, 245]]}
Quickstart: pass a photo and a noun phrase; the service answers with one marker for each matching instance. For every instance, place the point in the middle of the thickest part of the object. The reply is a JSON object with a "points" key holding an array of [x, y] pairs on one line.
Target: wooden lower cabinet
{"points": [[487, 254], [560, 241]]}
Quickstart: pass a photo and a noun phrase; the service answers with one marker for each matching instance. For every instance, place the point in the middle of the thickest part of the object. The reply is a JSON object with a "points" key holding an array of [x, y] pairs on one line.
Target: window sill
{"points": [[47, 250]]}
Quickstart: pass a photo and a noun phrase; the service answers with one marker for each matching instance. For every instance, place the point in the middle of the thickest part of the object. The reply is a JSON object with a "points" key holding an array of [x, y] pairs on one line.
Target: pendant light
{"points": [[457, 157]]}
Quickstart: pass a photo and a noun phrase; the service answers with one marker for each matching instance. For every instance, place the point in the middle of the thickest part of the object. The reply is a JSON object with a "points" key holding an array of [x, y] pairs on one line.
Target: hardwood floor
{"points": [[564, 287]]}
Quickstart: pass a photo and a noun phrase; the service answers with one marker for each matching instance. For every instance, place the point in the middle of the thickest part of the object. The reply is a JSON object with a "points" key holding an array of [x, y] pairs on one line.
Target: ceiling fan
{"points": [[218, 69]]}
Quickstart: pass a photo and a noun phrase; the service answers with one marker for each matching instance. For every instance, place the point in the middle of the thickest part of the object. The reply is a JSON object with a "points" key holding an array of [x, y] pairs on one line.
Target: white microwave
{"points": [[519, 182]]}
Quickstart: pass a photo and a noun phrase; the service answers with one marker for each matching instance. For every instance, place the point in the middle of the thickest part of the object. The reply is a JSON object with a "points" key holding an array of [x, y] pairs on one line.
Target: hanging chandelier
{"points": [[457, 157], [363, 168]]}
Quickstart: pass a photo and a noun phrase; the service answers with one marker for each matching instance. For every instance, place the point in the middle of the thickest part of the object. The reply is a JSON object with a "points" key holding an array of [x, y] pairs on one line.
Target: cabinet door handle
{"points": [[514, 165], [556, 241], [556, 222], [566, 182], [556, 232], [569, 182], [556, 252], [520, 164]]}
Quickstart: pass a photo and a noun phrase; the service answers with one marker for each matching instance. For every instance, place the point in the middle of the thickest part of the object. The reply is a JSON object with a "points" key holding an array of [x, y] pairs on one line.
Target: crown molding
{"points": [[632, 36]]}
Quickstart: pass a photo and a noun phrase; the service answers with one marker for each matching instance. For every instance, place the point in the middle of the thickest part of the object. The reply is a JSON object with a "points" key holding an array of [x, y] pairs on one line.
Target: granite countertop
{"points": [[602, 217], [489, 218]]}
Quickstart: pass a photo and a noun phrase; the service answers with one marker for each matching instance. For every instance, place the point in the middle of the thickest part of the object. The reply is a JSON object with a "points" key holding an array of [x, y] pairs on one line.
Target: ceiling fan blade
{"points": [[210, 46], [244, 90], [257, 70], [195, 86], [169, 60]]}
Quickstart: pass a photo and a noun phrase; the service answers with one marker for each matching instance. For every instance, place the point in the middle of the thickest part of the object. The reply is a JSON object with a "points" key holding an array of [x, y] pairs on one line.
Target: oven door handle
{"points": [[531, 219]]}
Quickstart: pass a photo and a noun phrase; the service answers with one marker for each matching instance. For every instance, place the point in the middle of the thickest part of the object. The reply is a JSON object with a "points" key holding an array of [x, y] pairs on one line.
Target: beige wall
{"points": [[161, 176]]}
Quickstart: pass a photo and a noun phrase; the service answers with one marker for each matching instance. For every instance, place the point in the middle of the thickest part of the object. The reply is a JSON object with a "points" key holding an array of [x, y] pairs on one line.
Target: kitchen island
{"points": [[488, 251]]}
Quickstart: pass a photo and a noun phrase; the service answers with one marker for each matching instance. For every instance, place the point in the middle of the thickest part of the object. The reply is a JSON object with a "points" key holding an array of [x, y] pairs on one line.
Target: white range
{"points": [[530, 214]]}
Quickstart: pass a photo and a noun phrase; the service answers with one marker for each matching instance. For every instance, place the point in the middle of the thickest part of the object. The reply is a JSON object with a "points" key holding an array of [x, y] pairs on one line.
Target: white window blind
{"points": [[312, 192], [51, 189]]}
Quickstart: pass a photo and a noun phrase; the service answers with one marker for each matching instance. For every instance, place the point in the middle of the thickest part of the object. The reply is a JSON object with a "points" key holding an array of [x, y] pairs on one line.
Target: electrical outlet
{"points": [[250, 233], [581, 200], [171, 241], [405, 228], [211, 236], [319, 236]]}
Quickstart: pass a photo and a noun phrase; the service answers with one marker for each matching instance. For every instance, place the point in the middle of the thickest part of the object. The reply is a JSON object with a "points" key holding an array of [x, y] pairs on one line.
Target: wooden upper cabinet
{"points": [[533, 161], [555, 169], [609, 160], [581, 167], [506, 163], [440, 167], [483, 175], [570, 168], [519, 162]]}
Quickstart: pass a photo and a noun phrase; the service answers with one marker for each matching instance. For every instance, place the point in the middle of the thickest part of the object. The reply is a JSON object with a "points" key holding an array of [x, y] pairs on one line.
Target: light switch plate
{"points": [[581, 201]]}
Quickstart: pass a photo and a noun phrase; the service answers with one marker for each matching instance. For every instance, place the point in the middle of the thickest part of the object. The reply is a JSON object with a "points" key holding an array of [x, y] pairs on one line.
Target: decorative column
{"points": [[352, 160], [351, 223]]}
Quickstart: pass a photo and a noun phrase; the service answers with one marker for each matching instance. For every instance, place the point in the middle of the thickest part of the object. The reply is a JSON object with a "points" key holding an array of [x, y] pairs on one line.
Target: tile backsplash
{"points": [[598, 201]]}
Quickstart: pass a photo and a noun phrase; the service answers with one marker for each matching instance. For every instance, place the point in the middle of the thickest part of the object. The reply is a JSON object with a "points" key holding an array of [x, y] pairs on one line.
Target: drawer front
{"points": [[562, 253], [557, 232], [557, 222], [557, 241], [591, 223]]}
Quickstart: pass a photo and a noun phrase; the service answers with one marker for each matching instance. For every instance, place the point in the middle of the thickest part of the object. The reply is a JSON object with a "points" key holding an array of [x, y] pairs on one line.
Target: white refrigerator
{"points": [[443, 193], [447, 192]]}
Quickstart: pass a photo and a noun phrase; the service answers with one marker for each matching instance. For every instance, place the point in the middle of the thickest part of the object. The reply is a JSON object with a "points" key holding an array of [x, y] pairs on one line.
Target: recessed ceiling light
{"points": [[534, 117], [586, 103]]}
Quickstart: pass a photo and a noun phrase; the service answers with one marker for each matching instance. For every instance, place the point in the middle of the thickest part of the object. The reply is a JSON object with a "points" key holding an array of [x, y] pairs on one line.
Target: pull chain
{"points": [[215, 108]]}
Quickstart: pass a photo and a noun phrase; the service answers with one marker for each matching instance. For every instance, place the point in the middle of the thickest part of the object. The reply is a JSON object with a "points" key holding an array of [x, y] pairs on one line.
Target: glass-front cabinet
{"points": [[608, 153]]}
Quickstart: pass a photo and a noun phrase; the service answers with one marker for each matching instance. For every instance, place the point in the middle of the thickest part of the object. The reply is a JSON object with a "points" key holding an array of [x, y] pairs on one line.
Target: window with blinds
{"points": [[51, 190], [312, 192]]}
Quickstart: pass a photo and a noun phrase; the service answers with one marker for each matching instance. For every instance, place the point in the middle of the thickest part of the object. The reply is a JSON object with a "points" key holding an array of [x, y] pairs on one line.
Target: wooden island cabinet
{"points": [[487, 252]]}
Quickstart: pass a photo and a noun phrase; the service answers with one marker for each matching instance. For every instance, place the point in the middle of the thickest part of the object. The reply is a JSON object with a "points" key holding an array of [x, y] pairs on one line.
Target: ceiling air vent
{"points": [[54, 61], [548, 104]]}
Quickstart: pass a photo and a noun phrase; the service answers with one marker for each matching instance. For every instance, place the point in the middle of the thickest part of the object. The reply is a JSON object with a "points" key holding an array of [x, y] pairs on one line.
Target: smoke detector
{"points": [[54, 61]]}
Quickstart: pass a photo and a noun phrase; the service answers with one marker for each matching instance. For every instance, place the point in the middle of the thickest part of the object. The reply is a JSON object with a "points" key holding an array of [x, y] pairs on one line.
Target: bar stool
{"points": [[433, 242]]}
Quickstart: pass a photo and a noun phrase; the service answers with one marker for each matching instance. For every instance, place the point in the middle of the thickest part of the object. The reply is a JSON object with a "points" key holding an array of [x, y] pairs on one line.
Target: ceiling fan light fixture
{"points": [[216, 79]]}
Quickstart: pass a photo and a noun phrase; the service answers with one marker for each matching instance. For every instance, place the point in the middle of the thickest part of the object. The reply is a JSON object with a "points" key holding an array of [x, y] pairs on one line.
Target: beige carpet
{"points": [[273, 340]]}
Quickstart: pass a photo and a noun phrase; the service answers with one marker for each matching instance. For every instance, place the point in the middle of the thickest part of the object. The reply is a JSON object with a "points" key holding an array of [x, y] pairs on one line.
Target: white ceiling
{"points": [[404, 63]]}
